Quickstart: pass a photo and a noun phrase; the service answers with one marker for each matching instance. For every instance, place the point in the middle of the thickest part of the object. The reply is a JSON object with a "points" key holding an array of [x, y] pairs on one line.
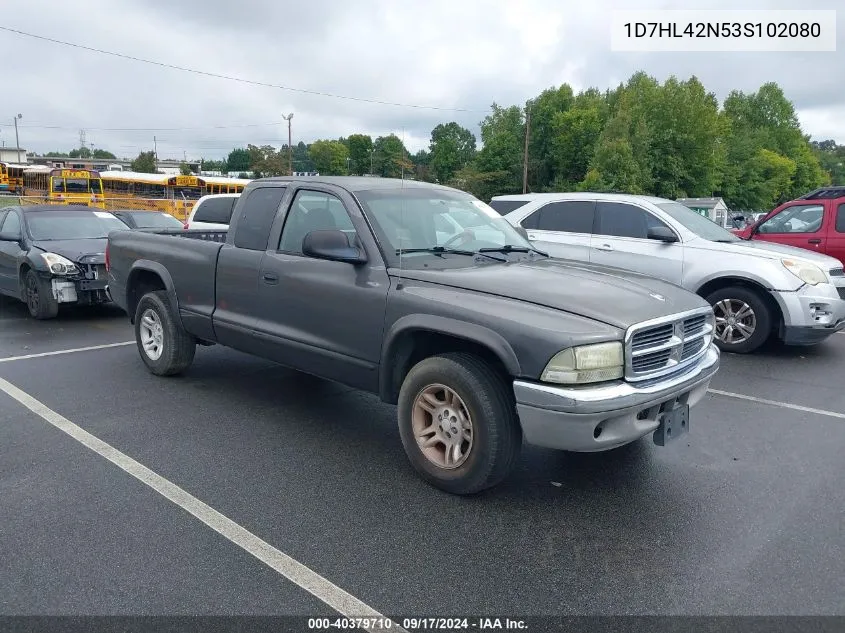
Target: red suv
{"points": [[815, 221]]}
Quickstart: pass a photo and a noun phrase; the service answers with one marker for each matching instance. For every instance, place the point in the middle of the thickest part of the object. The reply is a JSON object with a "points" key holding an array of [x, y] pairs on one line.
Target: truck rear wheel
{"points": [[458, 423], [165, 347], [743, 319]]}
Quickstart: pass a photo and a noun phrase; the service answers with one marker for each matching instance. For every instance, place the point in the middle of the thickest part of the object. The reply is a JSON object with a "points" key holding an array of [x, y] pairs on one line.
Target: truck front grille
{"points": [[668, 344]]}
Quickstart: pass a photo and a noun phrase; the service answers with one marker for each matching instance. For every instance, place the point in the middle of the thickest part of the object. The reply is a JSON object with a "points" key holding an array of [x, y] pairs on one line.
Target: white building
{"points": [[13, 155], [712, 208]]}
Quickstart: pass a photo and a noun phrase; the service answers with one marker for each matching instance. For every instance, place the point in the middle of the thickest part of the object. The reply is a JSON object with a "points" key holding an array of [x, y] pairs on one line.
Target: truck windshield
{"points": [[698, 224], [46, 226], [423, 218]]}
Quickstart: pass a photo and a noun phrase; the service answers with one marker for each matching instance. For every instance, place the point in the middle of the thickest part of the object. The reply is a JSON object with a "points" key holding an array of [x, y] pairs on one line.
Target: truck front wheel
{"points": [[458, 423], [165, 347]]}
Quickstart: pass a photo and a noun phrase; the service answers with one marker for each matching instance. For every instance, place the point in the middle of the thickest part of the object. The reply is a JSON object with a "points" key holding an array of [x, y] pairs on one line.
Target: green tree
{"points": [[213, 165], [301, 159], [329, 157], [266, 161], [103, 154], [422, 166], [482, 184], [238, 160], [360, 151], [145, 163], [58, 154], [503, 137], [544, 109], [185, 169], [452, 148], [82, 152], [390, 158], [831, 157]]}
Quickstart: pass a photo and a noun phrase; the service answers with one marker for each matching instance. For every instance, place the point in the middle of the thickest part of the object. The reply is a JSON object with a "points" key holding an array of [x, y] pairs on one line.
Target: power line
{"points": [[230, 77], [144, 129]]}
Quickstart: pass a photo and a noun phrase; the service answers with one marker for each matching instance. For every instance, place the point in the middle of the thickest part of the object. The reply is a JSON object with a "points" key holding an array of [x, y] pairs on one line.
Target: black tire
{"points": [[497, 436], [177, 347], [38, 296], [762, 315]]}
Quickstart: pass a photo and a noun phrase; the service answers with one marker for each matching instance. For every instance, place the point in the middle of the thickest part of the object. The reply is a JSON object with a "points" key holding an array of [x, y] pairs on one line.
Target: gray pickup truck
{"points": [[426, 296]]}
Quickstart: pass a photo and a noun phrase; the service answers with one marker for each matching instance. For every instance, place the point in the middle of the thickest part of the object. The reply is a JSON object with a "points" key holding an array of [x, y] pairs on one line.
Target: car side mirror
{"points": [[332, 245], [10, 237], [662, 234]]}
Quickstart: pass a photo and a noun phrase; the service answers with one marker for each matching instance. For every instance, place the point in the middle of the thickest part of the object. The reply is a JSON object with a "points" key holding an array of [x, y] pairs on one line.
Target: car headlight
{"points": [[59, 265], [805, 271], [586, 364]]}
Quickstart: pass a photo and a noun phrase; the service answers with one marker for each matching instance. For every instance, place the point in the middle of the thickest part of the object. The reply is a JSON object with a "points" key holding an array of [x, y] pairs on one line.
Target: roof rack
{"points": [[825, 193]]}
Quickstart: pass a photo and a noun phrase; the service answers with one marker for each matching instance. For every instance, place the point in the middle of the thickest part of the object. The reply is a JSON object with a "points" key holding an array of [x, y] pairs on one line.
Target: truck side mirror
{"points": [[332, 245]]}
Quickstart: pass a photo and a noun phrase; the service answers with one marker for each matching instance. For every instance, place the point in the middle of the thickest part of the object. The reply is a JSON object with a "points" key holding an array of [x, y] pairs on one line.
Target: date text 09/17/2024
{"points": [[418, 624]]}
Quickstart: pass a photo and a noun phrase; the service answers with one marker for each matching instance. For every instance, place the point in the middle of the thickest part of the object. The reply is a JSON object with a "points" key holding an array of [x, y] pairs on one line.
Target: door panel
{"points": [[836, 234], [620, 240], [319, 316], [801, 225], [9, 253], [562, 229]]}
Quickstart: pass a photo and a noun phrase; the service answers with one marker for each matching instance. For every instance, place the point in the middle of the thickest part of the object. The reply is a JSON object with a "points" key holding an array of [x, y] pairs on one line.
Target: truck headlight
{"points": [[805, 271], [59, 265], [585, 364]]}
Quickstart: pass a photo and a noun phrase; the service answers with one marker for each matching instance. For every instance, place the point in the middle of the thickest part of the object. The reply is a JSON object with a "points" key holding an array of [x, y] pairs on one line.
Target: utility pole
{"points": [[155, 153], [290, 144], [525, 156], [17, 139]]}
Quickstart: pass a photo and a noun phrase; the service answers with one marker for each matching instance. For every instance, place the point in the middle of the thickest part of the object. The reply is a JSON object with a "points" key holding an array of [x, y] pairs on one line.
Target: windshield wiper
{"points": [[440, 250], [510, 248]]}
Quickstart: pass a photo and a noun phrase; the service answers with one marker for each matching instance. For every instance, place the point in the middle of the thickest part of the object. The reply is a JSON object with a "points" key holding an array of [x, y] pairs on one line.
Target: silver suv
{"points": [[756, 288]]}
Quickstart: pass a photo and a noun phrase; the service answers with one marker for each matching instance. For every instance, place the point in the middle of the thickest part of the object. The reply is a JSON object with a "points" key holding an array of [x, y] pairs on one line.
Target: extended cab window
{"points": [[572, 216], [215, 210], [618, 219], [799, 218], [313, 211], [256, 217]]}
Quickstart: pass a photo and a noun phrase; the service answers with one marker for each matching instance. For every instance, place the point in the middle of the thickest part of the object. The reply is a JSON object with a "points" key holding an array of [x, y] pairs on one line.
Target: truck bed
{"points": [[185, 259]]}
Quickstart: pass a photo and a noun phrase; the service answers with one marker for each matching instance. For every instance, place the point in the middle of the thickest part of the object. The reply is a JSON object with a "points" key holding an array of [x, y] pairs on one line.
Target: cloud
{"points": [[446, 53]]}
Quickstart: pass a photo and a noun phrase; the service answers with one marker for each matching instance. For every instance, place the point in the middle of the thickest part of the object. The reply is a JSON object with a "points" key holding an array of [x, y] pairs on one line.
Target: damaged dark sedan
{"points": [[51, 255]]}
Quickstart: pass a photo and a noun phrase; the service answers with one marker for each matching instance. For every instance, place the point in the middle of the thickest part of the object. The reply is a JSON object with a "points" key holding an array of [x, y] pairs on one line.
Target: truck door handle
{"points": [[814, 241], [604, 247], [270, 278]]}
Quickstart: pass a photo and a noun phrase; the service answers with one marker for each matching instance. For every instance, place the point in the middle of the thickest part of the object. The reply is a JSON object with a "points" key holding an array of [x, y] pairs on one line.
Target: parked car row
{"points": [[758, 288]]}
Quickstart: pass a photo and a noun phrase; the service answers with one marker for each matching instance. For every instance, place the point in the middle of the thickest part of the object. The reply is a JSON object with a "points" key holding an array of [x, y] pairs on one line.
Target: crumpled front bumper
{"points": [[602, 417], [812, 313]]}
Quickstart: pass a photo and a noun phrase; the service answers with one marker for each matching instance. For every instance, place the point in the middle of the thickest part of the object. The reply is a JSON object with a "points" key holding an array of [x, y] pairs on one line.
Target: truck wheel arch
{"points": [[418, 336], [148, 276]]}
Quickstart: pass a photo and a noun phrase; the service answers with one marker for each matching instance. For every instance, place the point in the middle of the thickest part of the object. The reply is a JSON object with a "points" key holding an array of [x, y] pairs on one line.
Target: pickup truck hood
{"points": [[769, 250], [610, 295], [74, 250]]}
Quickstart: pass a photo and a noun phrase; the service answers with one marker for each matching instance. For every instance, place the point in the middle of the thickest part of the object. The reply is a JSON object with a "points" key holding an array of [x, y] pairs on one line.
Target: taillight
{"points": [[108, 261]]}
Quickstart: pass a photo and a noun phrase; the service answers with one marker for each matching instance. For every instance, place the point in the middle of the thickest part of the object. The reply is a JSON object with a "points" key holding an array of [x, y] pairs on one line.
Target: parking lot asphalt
{"points": [[743, 516]]}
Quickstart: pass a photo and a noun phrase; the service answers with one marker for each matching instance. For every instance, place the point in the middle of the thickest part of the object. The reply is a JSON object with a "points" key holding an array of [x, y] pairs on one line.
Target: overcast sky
{"points": [[451, 54]]}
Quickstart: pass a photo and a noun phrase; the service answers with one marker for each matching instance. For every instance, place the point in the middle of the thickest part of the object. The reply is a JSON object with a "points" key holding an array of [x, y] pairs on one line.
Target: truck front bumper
{"points": [[811, 313], [602, 417]]}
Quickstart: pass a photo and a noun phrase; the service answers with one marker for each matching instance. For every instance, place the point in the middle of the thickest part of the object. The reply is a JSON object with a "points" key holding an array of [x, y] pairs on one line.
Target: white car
{"points": [[757, 289], [212, 212]]}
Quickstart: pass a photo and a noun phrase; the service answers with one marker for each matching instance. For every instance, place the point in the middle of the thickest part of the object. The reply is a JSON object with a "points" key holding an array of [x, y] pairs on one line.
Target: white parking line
{"points": [[775, 403], [66, 351], [306, 578]]}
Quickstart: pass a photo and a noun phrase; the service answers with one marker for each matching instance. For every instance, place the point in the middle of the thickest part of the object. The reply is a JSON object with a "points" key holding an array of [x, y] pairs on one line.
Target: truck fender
{"points": [[471, 332], [164, 275]]}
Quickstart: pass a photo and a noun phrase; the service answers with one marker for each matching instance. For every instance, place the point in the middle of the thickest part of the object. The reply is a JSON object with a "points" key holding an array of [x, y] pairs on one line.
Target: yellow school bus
{"points": [[82, 187], [175, 195], [11, 177], [218, 184]]}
